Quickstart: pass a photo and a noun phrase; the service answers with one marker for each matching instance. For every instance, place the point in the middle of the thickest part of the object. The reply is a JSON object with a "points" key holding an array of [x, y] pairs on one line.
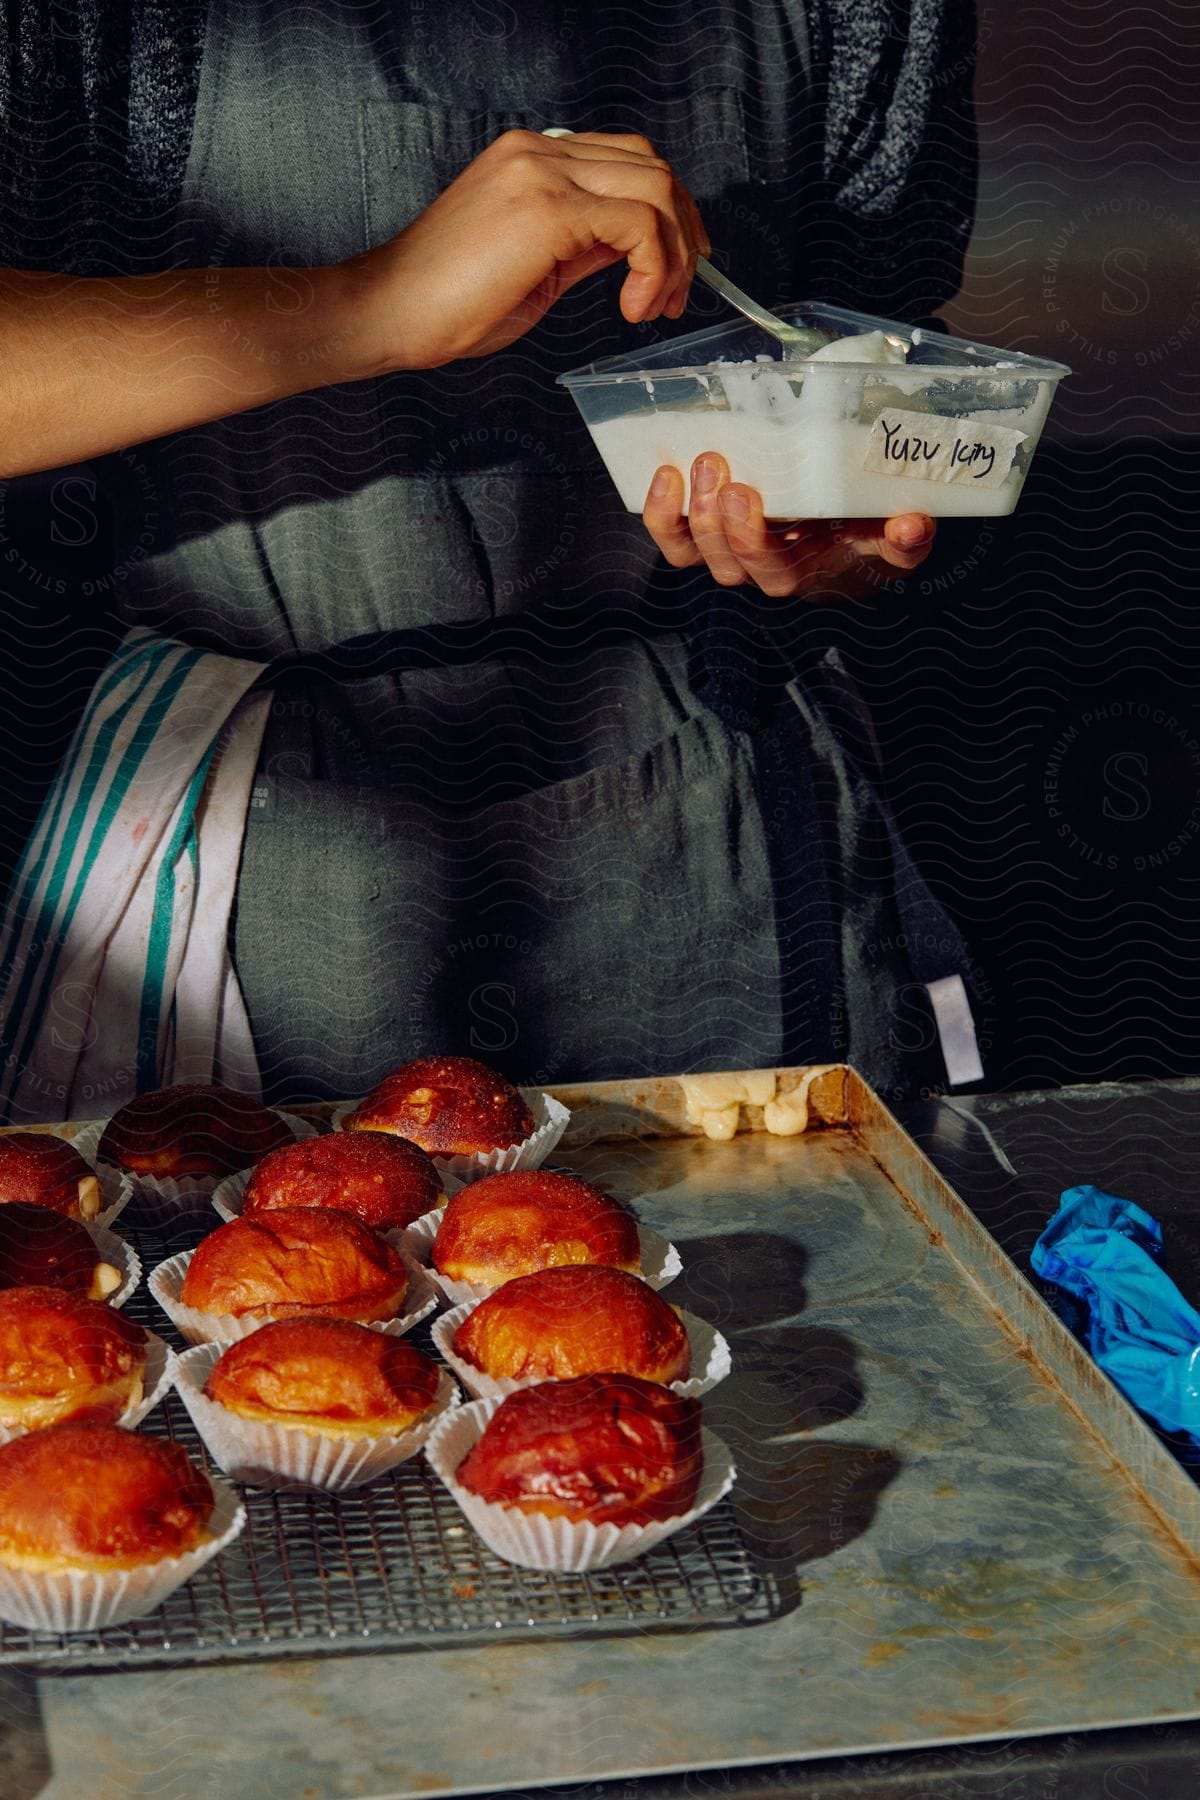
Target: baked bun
{"points": [[307, 1259], [47, 1171], [512, 1224], [326, 1375], [191, 1129], [584, 1320], [607, 1448], [42, 1248], [63, 1358], [383, 1180], [449, 1105], [96, 1497]]}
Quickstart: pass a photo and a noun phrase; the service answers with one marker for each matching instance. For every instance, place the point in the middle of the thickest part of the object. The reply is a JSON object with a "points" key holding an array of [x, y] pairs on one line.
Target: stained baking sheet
{"points": [[969, 1533]]}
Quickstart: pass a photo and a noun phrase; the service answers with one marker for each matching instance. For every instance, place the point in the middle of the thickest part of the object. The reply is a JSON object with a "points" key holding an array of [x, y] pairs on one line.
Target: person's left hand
{"points": [[726, 529]]}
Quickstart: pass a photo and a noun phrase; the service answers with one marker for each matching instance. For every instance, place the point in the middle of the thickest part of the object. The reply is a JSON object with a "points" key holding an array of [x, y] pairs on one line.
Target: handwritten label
{"points": [[924, 447]]}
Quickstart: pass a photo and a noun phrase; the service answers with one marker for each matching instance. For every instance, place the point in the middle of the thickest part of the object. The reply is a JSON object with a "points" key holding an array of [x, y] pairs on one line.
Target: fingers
{"points": [[577, 268], [664, 520], [776, 565], [635, 228], [907, 540], [656, 236], [710, 474], [903, 542], [626, 168], [726, 529], [699, 244]]}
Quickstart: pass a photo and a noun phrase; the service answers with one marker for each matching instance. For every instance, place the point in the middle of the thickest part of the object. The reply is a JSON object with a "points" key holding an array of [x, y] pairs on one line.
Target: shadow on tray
{"points": [[800, 1502], [25, 1766], [741, 1279]]}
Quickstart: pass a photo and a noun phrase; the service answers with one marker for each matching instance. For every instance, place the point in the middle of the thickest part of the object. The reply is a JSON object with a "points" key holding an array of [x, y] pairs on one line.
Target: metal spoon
{"points": [[797, 340]]}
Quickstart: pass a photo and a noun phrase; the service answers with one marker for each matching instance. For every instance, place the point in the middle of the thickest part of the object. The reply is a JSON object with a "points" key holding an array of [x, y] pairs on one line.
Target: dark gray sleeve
{"points": [[895, 152]]}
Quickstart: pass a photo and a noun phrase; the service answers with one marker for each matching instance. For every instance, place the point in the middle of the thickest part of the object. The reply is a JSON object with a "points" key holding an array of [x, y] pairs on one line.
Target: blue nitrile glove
{"points": [[1138, 1326]]}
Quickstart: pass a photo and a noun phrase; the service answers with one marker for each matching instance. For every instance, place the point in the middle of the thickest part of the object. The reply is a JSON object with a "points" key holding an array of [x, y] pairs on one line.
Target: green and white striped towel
{"points": [[115, 975]]}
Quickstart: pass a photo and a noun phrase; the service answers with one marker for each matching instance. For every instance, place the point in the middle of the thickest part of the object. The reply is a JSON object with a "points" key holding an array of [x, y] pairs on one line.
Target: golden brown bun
{"points": [[97, 1497], [63, 1358], [383, 1180], [449, 1105], [326, 1374], [508, 1225], [191, 1129], [575, 1321], [305, 1259], [608, 1448], [47, 1171], [42, 1248]]}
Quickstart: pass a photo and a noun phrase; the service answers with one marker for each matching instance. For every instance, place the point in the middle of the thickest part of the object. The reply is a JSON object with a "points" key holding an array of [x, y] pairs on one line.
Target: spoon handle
{"points": [[720, 284]]}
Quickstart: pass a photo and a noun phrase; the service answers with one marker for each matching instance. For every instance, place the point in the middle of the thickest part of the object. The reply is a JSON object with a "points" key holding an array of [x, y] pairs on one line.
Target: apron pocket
{"points": [[617, 923]]}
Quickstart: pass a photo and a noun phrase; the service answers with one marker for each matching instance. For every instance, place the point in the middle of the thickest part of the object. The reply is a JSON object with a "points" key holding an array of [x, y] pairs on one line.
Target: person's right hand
{"points": [[522, 224]]}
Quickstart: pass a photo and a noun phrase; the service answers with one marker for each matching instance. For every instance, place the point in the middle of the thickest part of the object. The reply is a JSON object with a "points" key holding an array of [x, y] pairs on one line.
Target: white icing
{"points": [[814, 473], [714, 1101], [805, 437], [787, 1114], [867, 347]]}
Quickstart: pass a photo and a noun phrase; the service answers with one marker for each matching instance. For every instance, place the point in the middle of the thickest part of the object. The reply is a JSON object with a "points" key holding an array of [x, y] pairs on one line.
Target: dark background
{"points": [[1035, 688], [1037, 692]]}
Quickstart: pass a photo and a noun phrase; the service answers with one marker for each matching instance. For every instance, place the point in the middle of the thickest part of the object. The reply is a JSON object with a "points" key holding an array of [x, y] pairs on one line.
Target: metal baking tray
{"points": [[389, 1566], [963, 1530]]}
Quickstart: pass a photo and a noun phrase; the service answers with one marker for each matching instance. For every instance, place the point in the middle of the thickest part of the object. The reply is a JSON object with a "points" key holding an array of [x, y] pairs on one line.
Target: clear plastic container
{"points": [[947, 428]]}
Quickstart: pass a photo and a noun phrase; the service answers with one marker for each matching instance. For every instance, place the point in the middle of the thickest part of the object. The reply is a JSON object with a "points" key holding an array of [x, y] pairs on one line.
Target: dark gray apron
{"points": [[496, 813]]}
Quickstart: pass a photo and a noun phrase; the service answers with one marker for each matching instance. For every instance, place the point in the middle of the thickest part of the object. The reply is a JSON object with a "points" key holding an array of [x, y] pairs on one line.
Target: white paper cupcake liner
{"points": [[116, 1185], [660, 1261], [160, 1372], [163, 1201], [711, 1360], [123, 1256], [550, 1121], [539, 1543], [266, 1453], [80, 1600], [166, 1284], [229, 1193]]}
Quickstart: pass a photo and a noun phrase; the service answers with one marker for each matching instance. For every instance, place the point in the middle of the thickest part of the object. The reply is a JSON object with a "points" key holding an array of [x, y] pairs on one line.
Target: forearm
{"points": [[90, 366]]}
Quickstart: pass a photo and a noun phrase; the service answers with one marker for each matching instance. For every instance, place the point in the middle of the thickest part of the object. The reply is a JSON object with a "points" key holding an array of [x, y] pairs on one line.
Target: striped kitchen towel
{"points": [[115, 975]]}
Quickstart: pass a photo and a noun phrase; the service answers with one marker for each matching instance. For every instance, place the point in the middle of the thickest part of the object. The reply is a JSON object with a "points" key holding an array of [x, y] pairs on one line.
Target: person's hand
{"points": [[522, 224], [725, 528]]}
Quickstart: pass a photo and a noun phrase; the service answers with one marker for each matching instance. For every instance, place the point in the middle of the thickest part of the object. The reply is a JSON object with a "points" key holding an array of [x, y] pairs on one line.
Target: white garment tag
{"points": [[925, 447], [956, 1029]]}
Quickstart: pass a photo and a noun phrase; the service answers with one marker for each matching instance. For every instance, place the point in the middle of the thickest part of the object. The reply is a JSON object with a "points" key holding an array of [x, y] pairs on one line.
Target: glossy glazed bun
{"points": [[449, 1105], [62, 1357], [97, 1497], [327, 1375], [191, 1129], [383, 1180], [608, 1448], [563, 1322], [508, 1225], [41, 1248], [47, 1171], [305, 1259]]}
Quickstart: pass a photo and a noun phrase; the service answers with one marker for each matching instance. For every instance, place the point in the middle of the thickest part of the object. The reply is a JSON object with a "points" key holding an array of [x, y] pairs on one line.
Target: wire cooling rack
{"points": [[393, 1565]]}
